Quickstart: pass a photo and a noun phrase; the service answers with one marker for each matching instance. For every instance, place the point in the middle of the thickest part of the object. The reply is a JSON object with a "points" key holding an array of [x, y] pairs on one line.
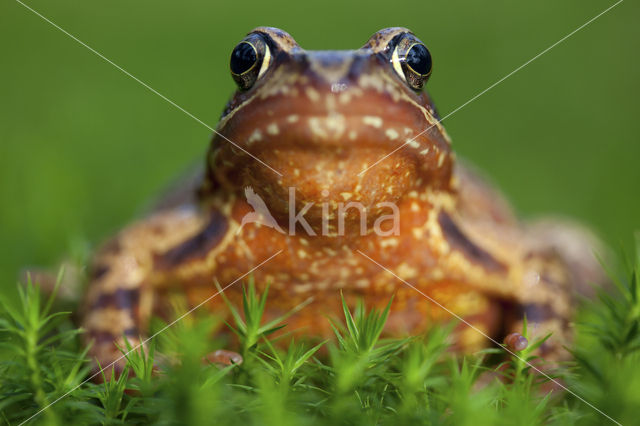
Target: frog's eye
{"points": [[412, 61], [249, 60]]}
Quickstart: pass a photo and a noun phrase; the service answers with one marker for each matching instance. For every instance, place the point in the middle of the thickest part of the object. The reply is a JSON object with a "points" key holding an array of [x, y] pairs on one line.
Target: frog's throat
{"points": [[330, 176]]}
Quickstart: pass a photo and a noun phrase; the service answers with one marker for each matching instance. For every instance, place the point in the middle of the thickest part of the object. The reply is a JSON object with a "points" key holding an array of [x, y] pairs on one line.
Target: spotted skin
{"points": [[321, 119]]}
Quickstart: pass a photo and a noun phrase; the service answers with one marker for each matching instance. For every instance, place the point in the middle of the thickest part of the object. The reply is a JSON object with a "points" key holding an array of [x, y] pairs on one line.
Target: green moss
{"points": [[361, 378]]}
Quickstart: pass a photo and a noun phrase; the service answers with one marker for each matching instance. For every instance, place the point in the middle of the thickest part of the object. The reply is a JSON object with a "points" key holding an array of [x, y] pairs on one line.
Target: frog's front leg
{"points": [[125, 281], [547, 264]]}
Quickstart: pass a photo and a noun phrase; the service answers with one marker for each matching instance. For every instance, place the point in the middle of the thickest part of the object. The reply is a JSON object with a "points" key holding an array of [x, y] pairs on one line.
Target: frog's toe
{"points": [[224, 358], [66, 282]]}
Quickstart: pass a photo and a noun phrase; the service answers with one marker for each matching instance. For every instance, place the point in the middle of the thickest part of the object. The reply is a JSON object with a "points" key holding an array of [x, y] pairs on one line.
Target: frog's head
{"points": [[331, 124]]}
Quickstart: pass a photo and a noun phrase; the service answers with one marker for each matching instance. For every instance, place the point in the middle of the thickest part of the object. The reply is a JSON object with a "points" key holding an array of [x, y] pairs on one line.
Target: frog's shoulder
{"points": [[478, 197]]}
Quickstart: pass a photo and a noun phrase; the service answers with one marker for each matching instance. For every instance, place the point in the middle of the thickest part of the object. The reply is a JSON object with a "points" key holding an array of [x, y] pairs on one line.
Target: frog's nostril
{"points": [[332, 67], [339, 87]]}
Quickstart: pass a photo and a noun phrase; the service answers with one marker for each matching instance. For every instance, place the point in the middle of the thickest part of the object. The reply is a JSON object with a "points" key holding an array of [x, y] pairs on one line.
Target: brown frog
{"points": [[330, 172]]}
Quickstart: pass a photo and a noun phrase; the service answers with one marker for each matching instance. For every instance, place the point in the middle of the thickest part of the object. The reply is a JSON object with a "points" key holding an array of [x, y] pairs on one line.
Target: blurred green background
{"points": [[82, 146]]}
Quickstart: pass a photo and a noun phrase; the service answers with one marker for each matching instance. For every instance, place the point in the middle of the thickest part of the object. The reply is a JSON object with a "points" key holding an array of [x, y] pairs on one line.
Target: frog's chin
{"points": [[328, 161]]}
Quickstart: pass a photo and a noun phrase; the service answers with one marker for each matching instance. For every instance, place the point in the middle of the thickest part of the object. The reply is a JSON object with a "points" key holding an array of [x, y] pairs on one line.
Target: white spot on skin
{"points": [[312, 94], [405, 271], [441, 159], [329, 251], [316, 128], [392, 134], [389, 242], [302, 288], [345, 273], [363, 283], [369, 81], [336, 123], [417, 233], [255, 136], [372, 120], [424, 151], [322, 285], [344, 98], [413, 144], [272, 129], [353, 135], [346, 195], [292, 118]]}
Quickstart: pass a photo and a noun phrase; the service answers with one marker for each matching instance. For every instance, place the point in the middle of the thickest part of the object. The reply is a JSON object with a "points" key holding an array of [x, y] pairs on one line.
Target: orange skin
{"points": [[321, 119]]}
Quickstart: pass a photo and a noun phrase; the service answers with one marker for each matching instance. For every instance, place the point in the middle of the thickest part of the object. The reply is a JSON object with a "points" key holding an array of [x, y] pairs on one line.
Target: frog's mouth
{"points": [[338, 143], [370, 148], [331, 159], [314, 116], [388, 127]]}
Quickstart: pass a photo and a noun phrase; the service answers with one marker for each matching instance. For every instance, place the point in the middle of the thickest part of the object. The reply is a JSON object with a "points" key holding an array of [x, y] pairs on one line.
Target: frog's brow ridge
{"points": [[283, 39]]}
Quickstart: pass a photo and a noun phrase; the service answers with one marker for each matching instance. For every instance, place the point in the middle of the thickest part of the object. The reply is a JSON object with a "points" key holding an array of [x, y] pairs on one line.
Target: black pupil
{"points": [[419, 59], [242, 58]]}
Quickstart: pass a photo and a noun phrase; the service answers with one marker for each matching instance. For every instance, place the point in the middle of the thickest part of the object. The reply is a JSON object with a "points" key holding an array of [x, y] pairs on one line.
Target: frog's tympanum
{"points": [[343, 156]]}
